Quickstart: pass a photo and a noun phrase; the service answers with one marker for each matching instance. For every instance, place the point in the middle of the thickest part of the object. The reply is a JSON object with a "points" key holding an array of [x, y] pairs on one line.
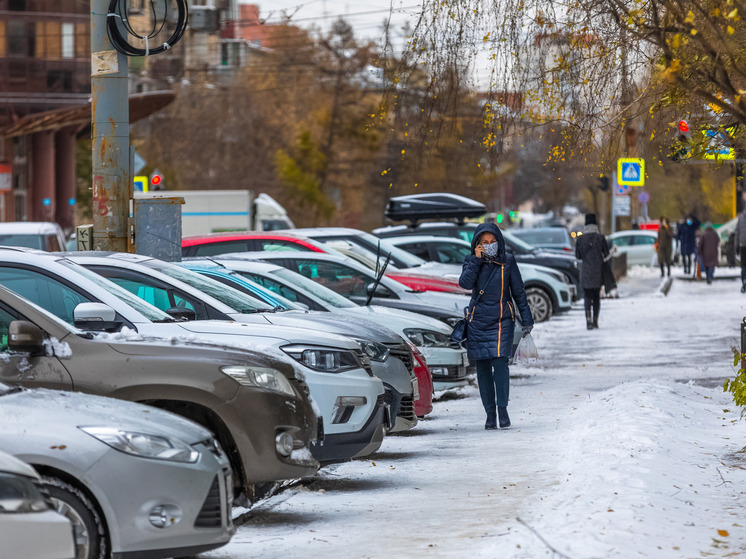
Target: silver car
{"points": [[132, 479]]}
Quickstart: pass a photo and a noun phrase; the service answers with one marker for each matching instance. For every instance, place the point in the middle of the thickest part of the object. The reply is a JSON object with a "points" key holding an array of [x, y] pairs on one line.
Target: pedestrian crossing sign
{"points": [[631, 171]]}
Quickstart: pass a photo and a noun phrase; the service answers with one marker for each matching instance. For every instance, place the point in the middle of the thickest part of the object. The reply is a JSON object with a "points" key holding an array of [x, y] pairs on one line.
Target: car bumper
{"points": [[402, 408], [448, 366], [197, 498], [41, 535], [341, 447]]}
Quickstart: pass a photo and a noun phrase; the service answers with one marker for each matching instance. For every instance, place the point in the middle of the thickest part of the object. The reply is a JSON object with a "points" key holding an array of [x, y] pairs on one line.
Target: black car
{"points": [[523, 252]]}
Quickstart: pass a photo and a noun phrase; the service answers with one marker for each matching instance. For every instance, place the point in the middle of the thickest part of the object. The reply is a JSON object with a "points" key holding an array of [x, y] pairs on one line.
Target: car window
{"points": [[323, 293], [5, 319], [43, 290], [644, 240], [29, 241], [283, 290], [53, 243], [449, 253], [222, 247], [418, 249], [621, 241], [151, 294], [275, 245], [340, 278]]}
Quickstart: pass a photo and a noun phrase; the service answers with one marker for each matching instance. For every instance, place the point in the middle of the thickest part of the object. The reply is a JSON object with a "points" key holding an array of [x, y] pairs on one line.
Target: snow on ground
{"points": [[623, 445]]}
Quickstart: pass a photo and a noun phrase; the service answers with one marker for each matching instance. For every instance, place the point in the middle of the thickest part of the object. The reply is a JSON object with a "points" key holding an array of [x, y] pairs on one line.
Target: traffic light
{"points": [[156, 180], [684, 127], [681, 148], [603, 183]]}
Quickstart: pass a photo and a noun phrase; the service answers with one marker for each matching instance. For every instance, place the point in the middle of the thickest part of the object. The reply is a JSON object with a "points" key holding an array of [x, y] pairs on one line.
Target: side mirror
{"points": [[95, 317], [25, 337], [380, 290], [182, 313]]}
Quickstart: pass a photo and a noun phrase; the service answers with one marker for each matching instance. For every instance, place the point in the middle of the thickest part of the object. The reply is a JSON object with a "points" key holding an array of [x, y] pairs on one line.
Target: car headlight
{"points": [[259, 377], [374, 350], [327, 360], [427, 338], [18, 494], [453, 320], [145, 445]]}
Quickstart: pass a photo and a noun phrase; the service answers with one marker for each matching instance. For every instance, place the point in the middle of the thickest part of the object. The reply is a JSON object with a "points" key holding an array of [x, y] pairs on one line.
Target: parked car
{"points": [[729, 253], [547, 290], [219, 387], [554, 238], [639, 246], [27, 512], [429, 335], [42, 235], [524, 253], [423, 404], [166, 285], [243, 241], [133, 480]]}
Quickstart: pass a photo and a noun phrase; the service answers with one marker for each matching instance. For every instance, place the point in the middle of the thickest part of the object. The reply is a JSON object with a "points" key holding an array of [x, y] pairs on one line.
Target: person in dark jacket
{"points": [[686, 236], [495, 282], [709, 245], [591, 248], [664, 244]]}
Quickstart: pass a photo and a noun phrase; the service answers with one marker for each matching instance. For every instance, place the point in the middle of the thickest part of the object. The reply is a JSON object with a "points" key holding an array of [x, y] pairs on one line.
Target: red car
{"points": [[242, 241], [424, 404]]}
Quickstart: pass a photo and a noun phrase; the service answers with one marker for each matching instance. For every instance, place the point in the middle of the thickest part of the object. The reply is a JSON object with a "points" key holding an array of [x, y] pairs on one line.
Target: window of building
{"points": [[68, 40]]}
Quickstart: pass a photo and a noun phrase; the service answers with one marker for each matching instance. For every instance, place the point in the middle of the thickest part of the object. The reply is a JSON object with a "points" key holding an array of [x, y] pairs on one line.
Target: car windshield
{"points": [[323, 293], [223, 293], [150, 312], [29, 241], [522, 245]]}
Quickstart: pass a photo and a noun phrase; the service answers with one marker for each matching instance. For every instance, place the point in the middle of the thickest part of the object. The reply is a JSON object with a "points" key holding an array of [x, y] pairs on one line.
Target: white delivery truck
{"points": [[213, 211]]}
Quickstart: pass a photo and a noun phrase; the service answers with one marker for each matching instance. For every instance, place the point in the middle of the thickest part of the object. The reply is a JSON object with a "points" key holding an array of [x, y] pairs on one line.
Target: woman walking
{"points": [[592, 249], [709, 244], [493, 277], [664, 243]]}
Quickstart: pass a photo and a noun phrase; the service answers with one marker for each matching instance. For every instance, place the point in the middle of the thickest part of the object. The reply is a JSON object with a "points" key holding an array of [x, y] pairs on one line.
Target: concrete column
{"points": [[41, 196], [65, 151]]}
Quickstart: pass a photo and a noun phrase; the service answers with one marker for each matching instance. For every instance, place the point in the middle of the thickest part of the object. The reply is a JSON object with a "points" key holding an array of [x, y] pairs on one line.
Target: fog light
{"points": [[164, 516], [440, 371], [351, 401], [284, 443]]}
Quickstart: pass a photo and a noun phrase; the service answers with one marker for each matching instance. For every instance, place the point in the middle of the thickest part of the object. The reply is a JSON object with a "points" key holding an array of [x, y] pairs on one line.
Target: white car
{"points": [[547, 289], [447, 361], [333, 366], [638, 245], [42, 235], [26, 514]]}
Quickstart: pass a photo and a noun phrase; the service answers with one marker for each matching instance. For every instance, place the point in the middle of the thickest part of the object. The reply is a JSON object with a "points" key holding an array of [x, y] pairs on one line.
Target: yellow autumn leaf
{"points": [[693, 32], [675, 65], [730, 30], [676, 41], [689, 17], [715, 12], [723, 533], [733, 14]]}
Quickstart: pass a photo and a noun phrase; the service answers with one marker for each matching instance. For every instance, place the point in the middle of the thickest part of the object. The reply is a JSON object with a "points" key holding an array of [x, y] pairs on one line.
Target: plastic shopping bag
{"points": [[526, 352]]}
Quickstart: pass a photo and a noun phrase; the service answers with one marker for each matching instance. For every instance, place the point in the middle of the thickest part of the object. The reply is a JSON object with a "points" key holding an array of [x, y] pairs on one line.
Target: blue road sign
{"points": [[631, 171]]}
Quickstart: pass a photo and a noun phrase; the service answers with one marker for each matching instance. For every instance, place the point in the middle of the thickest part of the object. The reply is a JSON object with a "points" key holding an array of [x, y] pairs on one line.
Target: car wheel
{"points": [[88, 529], [539, 303]]}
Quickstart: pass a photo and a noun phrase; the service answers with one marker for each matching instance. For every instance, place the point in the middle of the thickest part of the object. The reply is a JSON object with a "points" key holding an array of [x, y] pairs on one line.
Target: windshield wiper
{"points": [[12, 390], [254, 311], [379, 276], [164, 320]]}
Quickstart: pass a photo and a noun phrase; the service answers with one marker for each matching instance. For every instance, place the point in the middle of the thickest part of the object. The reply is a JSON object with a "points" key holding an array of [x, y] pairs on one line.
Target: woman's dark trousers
{"points": [[686, 259], [493, 376], [592, 299]]}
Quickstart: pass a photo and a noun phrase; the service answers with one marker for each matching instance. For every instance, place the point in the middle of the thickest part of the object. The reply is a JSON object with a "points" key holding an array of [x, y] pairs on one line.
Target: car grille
{"points": [[406, 409], [450, 372], [365, 361], [404, 354], [210, 515]]}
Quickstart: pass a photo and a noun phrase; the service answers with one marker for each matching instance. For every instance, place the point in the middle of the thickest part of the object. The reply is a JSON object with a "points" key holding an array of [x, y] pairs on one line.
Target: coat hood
{"points": [[495, 230]]}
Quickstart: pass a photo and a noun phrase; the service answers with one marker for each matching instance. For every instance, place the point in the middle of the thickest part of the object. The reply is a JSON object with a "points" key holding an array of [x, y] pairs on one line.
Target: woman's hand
{"points": [[479, 251]]}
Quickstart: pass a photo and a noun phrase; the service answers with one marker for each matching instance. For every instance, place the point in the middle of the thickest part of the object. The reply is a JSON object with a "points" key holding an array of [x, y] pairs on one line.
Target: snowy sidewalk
{"points": [[623, 445]]}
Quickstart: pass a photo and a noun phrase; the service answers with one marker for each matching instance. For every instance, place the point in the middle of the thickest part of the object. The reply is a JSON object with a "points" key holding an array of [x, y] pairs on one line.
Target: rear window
{"points": [[28, 241], [224, 247]]}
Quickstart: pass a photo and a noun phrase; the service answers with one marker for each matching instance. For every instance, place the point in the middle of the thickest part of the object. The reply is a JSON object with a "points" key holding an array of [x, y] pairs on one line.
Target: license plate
{"points": [[415, 389], [464, 359]]}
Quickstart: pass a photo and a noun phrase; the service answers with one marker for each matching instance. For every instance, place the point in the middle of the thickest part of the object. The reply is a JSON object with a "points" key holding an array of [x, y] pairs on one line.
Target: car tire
{"points": [[88, 528], [540, 304]]}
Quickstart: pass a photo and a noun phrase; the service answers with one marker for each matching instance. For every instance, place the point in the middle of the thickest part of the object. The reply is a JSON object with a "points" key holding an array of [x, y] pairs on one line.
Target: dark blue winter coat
{"points": [[491, 321], [686, 235]]}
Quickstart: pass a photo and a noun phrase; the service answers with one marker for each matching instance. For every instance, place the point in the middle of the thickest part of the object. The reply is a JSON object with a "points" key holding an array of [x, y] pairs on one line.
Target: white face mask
{"points": [[490, 250]]}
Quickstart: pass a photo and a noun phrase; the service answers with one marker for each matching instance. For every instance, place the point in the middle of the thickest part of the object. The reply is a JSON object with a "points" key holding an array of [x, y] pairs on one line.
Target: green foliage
{"points": [[737, 386]]}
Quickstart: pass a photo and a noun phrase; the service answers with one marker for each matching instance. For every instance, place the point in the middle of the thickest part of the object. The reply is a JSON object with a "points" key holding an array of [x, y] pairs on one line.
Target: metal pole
{"points": [[613, 188], [110, 133]]}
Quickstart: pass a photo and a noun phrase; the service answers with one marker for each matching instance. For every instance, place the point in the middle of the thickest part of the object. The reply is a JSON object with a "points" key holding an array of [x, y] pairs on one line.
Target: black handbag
{"points": [[460, 329]]}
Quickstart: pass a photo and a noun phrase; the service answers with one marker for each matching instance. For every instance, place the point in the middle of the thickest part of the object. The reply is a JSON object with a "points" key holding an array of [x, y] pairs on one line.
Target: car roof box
{"points": [[437, 205]]}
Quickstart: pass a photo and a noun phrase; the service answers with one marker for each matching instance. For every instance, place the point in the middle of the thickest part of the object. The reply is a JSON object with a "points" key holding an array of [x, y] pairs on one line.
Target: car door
{"points": [[624, 245], [450, 253], [43, 371], [644, 248], [346, 281]]}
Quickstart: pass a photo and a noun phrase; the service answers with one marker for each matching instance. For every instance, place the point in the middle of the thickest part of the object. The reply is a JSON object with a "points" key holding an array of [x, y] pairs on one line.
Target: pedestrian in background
{"points": [[740, 246], [709, 244], [686, 237], [493, 277], [591, 248], [664, 242]]}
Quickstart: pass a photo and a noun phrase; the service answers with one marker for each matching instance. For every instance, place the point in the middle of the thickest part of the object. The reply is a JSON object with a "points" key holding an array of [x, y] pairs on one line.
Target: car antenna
{"points": [[378, 279]]}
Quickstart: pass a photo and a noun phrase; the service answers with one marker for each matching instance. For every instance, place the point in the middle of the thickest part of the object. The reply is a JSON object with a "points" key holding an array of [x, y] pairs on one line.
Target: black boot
{"points": [[504, 419], [588, 320], [595, 320], [491, 422]]}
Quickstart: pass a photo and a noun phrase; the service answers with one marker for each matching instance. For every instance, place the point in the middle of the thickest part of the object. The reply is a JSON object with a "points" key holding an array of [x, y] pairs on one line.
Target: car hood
{"points": [[444, 301], [435, 269], [268, 333], [338, 324], [397, 319], [50, 410]]}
